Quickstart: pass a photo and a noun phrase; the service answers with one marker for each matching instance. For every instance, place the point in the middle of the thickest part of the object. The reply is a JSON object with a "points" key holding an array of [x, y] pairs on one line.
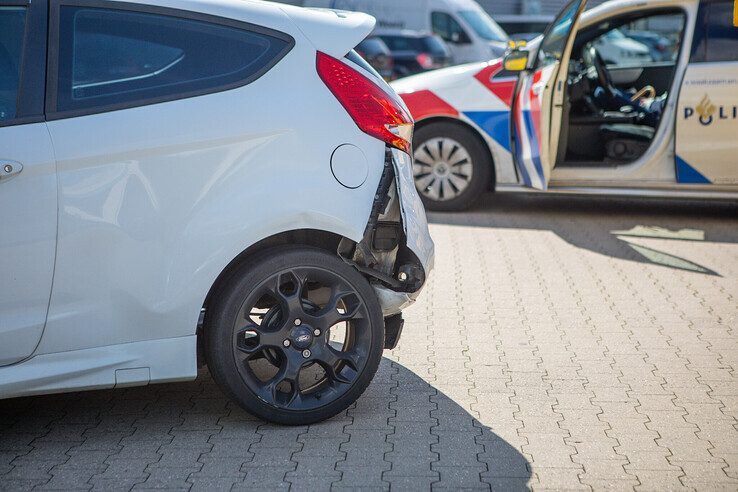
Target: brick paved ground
{"points": [[547, 352]]}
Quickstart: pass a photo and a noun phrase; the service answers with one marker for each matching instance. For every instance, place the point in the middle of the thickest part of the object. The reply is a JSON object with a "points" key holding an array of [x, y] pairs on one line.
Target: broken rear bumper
{"points": [[397, 252]]}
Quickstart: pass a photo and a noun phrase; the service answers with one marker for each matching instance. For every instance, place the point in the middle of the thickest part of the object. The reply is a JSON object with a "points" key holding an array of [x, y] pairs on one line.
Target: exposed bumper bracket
{"points": [[392, 331]]}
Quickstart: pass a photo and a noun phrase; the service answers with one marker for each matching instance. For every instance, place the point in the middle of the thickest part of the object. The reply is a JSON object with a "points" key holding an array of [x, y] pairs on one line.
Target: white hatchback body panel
{"points": [[27, 237], [155, 202]]}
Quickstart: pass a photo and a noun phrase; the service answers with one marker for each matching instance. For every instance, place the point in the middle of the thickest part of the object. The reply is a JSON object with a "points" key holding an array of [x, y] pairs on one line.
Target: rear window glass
{"points": [[114, 57]]}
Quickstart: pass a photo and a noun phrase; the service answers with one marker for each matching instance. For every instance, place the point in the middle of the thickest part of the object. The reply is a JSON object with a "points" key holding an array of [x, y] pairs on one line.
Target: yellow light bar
{"points": [[735, 13]]}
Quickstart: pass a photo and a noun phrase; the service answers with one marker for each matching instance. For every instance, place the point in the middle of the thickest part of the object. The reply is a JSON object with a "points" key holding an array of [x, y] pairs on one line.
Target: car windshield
{"points": [[483, 25]]}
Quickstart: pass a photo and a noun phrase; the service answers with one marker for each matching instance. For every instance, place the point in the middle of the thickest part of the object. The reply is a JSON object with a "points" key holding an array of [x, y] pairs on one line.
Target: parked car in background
{"points": [[470, 32], [378, 55], [186, 178], [415, 52], [616, 48], [570, 113], [523, 27], [660, 47]]}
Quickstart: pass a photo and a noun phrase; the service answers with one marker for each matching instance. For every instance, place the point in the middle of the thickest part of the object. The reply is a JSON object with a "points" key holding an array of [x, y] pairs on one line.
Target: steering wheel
{"points": [[598, 63]]}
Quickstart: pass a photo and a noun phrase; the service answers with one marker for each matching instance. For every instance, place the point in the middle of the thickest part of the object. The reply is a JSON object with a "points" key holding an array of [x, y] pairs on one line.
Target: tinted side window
{"points": [[715, 37], [447, 28], [114, 58], [12, 29], [403, 43]]}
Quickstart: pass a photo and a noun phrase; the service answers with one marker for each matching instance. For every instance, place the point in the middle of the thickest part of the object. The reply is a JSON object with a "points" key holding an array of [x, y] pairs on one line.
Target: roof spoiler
{"points": [[334, 32]]}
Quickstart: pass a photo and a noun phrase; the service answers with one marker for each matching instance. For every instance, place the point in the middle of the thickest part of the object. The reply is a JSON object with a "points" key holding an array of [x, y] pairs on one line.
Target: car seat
{"points": [[626, 142]]}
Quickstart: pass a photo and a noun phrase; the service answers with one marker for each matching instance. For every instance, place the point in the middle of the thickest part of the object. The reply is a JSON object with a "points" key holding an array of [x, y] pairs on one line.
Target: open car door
{"points": [[537, 106]]}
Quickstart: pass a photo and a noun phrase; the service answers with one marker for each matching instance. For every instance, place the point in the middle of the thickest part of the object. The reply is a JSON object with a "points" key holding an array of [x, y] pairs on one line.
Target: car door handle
{"points": [[9, 169]]}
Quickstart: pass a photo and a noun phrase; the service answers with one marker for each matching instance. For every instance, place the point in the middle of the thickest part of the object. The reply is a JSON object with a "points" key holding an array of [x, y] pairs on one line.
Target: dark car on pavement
{"points": [[416, 52], [378, 55]]}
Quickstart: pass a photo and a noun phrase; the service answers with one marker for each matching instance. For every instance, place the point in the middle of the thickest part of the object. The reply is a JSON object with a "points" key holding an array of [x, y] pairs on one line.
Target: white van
{"points": [[471, 34]]}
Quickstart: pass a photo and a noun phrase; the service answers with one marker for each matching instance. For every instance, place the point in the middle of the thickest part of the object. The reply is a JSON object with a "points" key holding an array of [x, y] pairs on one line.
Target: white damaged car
{"points": [[221, 178]]}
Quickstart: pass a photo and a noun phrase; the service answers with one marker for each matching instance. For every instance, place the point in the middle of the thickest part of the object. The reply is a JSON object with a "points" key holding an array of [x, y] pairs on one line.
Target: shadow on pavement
{"points": [[402, 432], [622, 228]]}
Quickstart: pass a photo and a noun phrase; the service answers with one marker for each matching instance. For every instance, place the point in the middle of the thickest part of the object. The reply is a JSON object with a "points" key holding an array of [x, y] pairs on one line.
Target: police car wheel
{"points": [[295, 336], [452, 168]]}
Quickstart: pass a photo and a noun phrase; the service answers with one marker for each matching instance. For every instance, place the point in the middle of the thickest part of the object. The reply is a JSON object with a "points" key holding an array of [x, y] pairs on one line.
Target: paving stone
{"points": [[545, 353], [212, 483], [167, 478], [412, 483], [458, 477]]}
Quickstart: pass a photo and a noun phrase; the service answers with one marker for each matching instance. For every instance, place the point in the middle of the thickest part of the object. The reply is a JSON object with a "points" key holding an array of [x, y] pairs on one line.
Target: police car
{"points": [[564, 114]]}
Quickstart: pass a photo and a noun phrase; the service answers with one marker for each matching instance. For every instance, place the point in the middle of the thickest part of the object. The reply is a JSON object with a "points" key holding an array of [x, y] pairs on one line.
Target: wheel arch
{"points": [[472, 130], [325, 240]]}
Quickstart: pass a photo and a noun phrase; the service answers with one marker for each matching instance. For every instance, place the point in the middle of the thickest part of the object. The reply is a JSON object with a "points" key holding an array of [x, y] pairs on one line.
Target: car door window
{"points": [[448, 28], [716, 38], [646, 41], [555, 39], [113, 58], [12, 29]]}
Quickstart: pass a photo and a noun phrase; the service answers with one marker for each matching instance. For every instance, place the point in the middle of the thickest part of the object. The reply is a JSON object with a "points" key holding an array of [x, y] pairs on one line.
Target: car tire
{"points": [[440, 171], [293, 280]]}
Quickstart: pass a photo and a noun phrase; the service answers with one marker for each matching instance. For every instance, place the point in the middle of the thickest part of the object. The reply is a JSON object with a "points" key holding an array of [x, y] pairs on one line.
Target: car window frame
{"points": [[701, 23], [622, 19], [535, 61], [52, 80], [651, 12], [32, 77]]}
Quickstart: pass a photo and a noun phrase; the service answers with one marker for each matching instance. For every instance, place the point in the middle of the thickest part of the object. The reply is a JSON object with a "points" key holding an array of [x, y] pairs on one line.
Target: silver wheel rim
{"points": [[442, 169]]}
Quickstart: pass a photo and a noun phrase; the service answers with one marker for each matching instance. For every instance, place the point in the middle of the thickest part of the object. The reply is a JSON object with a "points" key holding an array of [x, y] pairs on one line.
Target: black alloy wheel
{"points": [[296, 336]]}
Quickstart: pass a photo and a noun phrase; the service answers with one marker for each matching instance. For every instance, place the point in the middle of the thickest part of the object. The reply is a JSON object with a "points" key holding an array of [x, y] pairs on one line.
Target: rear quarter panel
{"points": [[155, 201]]}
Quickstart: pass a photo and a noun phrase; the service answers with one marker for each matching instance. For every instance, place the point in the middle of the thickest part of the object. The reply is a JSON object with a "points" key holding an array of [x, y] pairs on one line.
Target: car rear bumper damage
{"points": [[397, 252]]}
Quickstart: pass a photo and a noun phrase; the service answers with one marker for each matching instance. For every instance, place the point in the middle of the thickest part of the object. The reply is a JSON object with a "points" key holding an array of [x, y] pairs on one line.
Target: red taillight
{"points": [[373, 110], [425, 61]]}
